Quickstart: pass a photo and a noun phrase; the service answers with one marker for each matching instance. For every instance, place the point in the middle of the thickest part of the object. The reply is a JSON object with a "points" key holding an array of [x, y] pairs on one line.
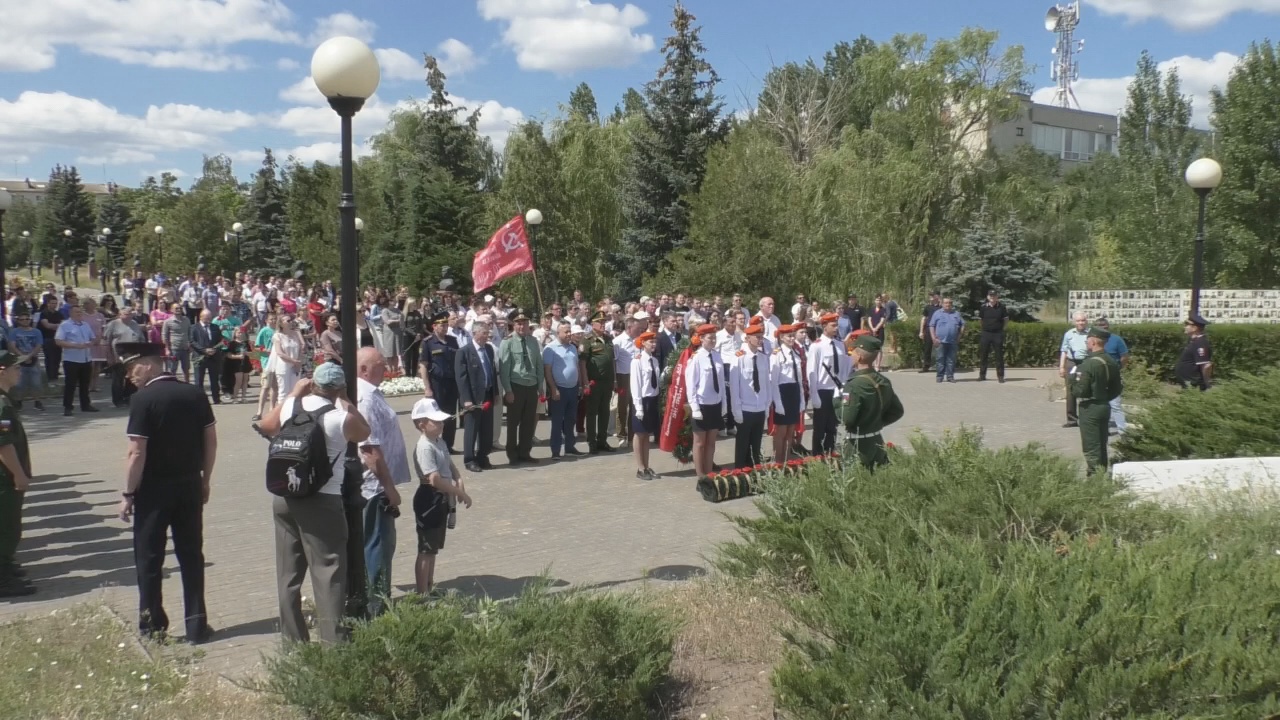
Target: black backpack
{"points": [[298, 462]]}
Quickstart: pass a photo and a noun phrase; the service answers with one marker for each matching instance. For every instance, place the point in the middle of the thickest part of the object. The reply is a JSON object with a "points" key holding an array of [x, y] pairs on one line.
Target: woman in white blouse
{"points": [[786, 377], [645, 417], [286, 354]]}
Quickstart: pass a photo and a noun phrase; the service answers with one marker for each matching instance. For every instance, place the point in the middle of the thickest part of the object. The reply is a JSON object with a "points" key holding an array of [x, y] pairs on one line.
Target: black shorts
{"points": [[712, 418], [430, 514], [651, 422]]}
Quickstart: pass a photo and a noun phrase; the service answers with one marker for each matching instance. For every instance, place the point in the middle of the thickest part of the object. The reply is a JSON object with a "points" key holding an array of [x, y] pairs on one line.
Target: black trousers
{"points": [[522, 420], [729, 423], [926, 353], [477, 435], [446, 394], [118, 385], [1072, 401], [746, 446], [176, 508], [824, 424], [411, 354], [52, 359], [210, 365], [78, 377], [987, 342]]}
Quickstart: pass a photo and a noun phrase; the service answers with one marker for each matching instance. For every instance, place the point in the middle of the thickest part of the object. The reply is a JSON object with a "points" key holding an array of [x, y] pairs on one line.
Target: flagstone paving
{"points": [[584, 522]]}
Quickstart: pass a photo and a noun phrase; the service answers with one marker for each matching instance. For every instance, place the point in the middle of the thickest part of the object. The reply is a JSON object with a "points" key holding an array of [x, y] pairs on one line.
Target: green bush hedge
{"points": [[1236, 418], [540, 657], [1237, 349]]}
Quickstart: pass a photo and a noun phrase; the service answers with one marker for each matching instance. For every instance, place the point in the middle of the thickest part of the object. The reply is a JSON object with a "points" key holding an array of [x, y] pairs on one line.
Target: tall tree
{"points": [[633, 105], [1246, 209], [582, 104], [264, 245], [668, 161], [68, 207], [998, 258], [150, 205], [113, 213]]}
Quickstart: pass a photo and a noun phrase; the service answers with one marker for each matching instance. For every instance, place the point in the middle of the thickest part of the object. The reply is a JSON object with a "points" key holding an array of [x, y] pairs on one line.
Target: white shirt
{"points": [[785, 366], [335, 441], [704, 382], [260, 301], [728, 344], [645, 376], [624, 350], [742, 374], [384, 433], [771, 325], [795, 310], [829, 367]]}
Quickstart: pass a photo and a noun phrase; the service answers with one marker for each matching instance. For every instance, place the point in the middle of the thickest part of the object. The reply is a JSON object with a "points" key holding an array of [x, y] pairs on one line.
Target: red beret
{"points": [[707, 329], [643, 337], [786, 329], [754, 330], [757, 320], [859, 333], [828, 318]]}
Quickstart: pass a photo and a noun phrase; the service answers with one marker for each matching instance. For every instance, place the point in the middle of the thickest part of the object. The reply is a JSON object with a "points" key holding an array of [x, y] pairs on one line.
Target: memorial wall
{"points": [[1173, 306]]}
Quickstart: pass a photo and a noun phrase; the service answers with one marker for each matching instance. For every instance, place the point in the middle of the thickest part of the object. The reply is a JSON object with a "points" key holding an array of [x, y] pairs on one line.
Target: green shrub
{"points": [[1237, 349], [1180, 625], [541, 656], [853, 516], [1236, 418]]}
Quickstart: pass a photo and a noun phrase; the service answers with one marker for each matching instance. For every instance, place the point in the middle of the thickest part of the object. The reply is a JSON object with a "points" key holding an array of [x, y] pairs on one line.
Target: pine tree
{"points": [[68, 207], [114, 214], [996, 258], [582, 104], [264, 248], [681, 123]]}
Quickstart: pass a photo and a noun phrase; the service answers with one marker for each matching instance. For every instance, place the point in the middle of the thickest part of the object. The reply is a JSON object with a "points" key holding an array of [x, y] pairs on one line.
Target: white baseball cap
{"points": [[575, 329], [642, 315], [429, 409]]}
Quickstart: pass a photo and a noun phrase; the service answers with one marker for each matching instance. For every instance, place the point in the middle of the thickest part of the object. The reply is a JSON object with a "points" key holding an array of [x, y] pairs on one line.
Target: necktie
{"points": [[835, 364], [653, 379], [715, 374], [755, 374], [524, 353], [795, 369]]}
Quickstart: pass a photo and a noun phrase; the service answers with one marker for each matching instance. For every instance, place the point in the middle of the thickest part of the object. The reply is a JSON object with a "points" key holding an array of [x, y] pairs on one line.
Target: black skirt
{"points": [[712, 419], [791, 409], [651, 422]]}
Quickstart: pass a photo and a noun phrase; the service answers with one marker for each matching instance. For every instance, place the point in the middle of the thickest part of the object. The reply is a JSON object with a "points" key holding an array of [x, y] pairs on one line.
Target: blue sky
{"points": [[128, 88]]}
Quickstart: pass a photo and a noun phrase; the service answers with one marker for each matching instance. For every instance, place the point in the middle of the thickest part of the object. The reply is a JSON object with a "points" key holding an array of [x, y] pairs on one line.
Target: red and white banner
{"points": [[673, 418], [506, 254]]}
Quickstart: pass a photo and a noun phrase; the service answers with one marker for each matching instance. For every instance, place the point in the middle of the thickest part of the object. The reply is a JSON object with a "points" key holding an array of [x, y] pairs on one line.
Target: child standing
{"points": [[440, 492]]}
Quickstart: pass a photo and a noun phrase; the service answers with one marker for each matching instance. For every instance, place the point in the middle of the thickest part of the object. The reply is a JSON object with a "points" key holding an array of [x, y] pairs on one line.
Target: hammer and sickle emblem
{"points": [[511, 241]]}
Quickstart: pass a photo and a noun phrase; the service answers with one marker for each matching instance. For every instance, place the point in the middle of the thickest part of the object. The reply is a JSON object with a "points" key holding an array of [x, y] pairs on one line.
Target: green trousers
{"points": [[597, 419], [870, 451], [10, 522], [1095, 421]]}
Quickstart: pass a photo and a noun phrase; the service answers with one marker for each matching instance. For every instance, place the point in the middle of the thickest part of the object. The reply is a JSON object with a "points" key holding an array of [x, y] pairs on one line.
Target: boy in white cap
{"points": [[441, 490]]}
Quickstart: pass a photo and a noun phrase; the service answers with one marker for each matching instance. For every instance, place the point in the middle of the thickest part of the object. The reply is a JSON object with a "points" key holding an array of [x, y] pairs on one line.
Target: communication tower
{"points": [[1062, 20]]}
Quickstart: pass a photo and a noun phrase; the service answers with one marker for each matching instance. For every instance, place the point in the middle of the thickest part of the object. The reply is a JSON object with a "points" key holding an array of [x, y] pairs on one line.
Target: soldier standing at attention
{"points": [[15, 478], [1195, 366], [867, 404], [596, 366], [438, 352], [1095, 382], [173, 442]]}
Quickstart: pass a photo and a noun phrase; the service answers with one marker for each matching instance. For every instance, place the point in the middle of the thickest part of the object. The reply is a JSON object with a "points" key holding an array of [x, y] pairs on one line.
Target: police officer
{"points": [[1195, 365], [595, 376], [1095, 381], [173, 443], [867, 404], [436, 370], [15, 478]]}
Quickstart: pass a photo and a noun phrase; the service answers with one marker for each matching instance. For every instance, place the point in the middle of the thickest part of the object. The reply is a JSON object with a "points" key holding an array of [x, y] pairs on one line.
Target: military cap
{"points": [[786, 329], [868, 342], [828, 318], [1099, 333], [707, 329], [1196, 319], [130, 351], [8, 359], [440, 317], [757, 320], [598, 316]]}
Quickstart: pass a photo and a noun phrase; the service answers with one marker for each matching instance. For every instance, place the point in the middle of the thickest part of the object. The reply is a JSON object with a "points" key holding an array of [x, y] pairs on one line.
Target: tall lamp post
{"points": [[104, 241], [237, 229], [346, 72], [1204, 176], [359, 239], [26, 242], [6, 202], [159, 245], [532, 220], [75, 265]]}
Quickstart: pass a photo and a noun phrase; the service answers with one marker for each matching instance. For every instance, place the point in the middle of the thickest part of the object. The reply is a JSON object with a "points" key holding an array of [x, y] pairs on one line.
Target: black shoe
{"points": [[642, 475], [16, 587], [573, 451], [89, 409], [200, 638], [66, 412], [595, 450], [530, 460], [652, 475], [1001, 381], [454, 452], [1070, 424], [514, 461], [554, 457], [13, 570], [39, 405], [485, 464], [473, 467], [951, 379], [939, 379], [256, 418], [715, 468], [604, 447], [982, 378]]}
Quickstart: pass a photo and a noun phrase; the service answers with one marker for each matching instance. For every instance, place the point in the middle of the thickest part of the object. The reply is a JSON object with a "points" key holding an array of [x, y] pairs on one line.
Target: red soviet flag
{"points": [[506, 254]]}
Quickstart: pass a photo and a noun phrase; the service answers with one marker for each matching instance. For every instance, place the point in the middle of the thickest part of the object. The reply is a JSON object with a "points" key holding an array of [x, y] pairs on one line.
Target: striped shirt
{"points": [[384, 433]]}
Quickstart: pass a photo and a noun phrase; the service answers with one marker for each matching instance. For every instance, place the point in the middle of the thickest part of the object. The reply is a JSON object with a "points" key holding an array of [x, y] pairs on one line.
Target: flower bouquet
{"points": [[403, 385], [731, 484]]}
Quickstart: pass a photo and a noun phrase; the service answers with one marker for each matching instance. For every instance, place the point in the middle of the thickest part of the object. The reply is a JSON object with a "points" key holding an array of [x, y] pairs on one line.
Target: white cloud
{"points": [[303, 92], [287, 64], [174, 116], [319, 121], [399, 65], [157, 173], [342, 24], [1183, 14], [564, 36], [122, 156], [163, 33], [1198, 75], [325, 152], [456, 57]]}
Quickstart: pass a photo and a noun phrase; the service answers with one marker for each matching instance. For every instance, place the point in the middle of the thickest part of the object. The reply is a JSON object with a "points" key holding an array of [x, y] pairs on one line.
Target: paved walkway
{"points": [[581, 522]]}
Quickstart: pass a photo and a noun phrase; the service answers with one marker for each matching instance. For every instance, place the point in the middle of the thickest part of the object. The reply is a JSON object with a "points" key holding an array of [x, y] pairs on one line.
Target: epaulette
{"points": [[777, 350], [741, 353]]}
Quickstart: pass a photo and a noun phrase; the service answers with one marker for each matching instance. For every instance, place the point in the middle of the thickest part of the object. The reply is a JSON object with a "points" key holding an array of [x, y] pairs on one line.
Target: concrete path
{"points": [[581, 522]]}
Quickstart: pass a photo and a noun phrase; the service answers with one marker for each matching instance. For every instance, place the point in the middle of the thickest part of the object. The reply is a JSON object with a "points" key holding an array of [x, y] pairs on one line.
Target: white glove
{"points": [[737, 418], [814, 404], [697, 413], [639, 414]]}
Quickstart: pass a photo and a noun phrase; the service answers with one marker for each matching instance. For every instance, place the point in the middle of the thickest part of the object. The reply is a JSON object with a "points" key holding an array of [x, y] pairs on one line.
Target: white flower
{"points": [[401, 386]]}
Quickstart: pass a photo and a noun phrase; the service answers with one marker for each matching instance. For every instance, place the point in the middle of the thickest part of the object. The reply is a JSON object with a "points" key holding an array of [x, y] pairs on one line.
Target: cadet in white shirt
{"points": [[705, 392], [624, 349], [828, 370], [728, 343], [786, 382], [749, 385], [646, 415]]}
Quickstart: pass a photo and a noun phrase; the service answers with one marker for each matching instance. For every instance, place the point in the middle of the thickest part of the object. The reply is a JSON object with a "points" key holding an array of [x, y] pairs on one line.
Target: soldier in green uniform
{"points": [[866, 405], [595, 360], [15, 478], [1096, 382]]}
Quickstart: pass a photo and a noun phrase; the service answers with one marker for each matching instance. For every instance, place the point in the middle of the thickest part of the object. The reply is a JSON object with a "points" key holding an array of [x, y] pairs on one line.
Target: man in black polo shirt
{"points": [[1195, 365], [993, 316], [173, 443], [926, 339]]}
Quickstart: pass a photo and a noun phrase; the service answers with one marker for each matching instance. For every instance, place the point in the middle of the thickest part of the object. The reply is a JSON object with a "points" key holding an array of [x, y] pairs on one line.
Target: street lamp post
{"points": [[6, 202], [104, 241], [159, 245], [1204, 176], [532, 220], [26, 242], [359, 239], [346, 72], [237, 228]]}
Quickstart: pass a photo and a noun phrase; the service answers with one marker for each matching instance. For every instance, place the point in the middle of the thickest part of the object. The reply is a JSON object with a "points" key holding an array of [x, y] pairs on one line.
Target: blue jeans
{"points": [[1117, 415], [946, 353], [379, 548], [564, 414], [181, 359]]}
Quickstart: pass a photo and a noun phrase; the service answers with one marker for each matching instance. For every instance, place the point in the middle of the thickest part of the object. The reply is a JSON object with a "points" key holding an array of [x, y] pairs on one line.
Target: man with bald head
{"points": [[771, 321], [206, 352], [1073, 352], [386, 465]]}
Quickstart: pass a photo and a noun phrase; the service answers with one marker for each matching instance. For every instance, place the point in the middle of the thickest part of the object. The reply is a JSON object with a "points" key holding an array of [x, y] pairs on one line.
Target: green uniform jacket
{"points": [[597, 352], [1097, 379], [868, 403], [12, 433]]}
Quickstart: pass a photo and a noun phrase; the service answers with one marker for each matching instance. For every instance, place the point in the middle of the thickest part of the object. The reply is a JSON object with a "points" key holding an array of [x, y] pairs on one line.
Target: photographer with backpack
{"points": [[309, 433]]}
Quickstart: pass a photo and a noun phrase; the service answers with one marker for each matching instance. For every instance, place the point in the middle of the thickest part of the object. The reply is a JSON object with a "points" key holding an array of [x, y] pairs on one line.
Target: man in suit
{"points": [[668, 339], [476, 370], [207, 350]]}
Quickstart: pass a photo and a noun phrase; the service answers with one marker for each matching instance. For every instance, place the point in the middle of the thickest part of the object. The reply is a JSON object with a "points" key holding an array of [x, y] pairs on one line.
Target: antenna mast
{"points": [[1063, 20]]}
